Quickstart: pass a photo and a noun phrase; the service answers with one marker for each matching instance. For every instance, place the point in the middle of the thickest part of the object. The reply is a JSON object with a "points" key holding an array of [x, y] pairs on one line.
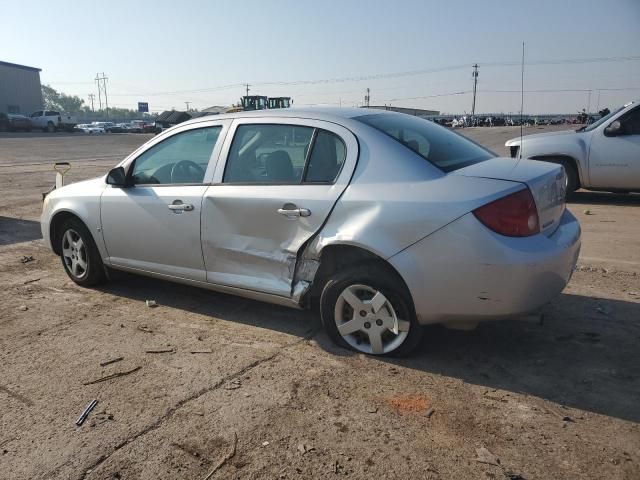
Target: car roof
{"points": [[331, 114]]}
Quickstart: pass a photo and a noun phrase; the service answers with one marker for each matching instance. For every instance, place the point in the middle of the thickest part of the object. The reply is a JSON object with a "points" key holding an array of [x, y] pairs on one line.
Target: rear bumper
{"points": [[467, 273]]}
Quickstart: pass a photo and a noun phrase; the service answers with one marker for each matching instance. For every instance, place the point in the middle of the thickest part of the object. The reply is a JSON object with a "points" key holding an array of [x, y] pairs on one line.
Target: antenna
{"points": [[521, 99], [475, 85]]}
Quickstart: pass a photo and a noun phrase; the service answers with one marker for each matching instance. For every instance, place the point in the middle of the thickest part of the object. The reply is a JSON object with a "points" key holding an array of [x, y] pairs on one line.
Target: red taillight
{"points": [[514, 215]]}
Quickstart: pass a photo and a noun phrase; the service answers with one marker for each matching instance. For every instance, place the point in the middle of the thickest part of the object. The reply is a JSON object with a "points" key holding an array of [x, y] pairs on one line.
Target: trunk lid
{"points": [[545, 180]]}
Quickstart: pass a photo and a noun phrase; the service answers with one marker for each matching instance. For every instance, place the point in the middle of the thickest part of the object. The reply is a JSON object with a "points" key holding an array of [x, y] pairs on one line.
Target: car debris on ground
{"points": [[86, 412]]}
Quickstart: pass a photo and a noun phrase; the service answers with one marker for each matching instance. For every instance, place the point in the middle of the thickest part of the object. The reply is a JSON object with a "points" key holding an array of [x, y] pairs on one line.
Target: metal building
{"points": [[20, 89]]}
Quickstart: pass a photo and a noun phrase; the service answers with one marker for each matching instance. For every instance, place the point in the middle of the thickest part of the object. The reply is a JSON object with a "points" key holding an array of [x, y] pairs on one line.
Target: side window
{"points": [[631, 122], [268, 154], [36, 114], [181, 158], [327, 158], [50, 113]]}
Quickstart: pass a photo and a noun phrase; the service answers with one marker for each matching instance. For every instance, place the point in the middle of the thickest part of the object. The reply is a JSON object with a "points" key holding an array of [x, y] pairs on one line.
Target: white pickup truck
{"points": [[602, 156], [50, 121]]}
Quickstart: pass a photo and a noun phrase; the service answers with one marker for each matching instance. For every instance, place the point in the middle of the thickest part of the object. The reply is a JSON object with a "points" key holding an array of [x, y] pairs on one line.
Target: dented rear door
{"points": [[249, 238]]}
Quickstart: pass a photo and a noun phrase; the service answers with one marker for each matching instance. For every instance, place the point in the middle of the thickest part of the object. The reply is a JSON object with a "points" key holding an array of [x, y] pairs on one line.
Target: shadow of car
{"points": [[16, 230]]}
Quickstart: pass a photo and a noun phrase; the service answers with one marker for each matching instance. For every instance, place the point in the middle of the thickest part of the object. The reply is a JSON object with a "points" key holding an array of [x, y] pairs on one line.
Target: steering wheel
{"points": [[185, 171]]}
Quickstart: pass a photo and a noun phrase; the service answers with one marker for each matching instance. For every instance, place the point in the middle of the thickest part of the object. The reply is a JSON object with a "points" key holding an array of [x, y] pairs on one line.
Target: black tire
{"points": [[572, 177], [93, 273], [51, 127], [381, 279]]}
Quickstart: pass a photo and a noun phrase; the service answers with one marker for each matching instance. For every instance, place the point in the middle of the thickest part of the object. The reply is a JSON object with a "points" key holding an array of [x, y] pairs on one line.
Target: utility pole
{"points": [[99, 94], [475, 86], [247, 85], [102, 88], [91, 99], [367, 98], [187, 104]]}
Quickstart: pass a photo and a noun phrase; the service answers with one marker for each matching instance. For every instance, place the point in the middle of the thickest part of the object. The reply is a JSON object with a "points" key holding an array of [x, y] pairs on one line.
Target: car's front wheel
{"points": [[79, 254], [367, 309]]}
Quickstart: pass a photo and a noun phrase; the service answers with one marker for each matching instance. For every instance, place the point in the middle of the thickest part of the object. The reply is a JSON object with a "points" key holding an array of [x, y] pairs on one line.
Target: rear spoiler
{"points": [[61, 169]]}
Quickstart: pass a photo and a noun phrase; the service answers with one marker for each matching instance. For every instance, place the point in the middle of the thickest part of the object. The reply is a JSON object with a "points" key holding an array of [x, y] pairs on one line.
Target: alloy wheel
{"points": [[74, 253], [367, 320]]}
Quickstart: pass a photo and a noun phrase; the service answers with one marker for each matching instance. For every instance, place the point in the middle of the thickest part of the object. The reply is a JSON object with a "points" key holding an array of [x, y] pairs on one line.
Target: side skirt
{"points": [[251, 294]]}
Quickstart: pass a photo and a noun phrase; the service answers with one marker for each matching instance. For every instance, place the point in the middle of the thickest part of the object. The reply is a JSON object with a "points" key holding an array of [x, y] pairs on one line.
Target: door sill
{"points": [[240, 292]]}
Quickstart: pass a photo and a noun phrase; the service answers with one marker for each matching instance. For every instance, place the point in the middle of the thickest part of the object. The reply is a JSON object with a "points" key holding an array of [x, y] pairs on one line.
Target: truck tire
{"points": [[51, 127], [572, 177]]}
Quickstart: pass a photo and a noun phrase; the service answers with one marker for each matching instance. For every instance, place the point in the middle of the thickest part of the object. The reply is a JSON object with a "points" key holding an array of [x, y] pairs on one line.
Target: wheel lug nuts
{"points": [[367, 324], [379, 322], [363, 313]]}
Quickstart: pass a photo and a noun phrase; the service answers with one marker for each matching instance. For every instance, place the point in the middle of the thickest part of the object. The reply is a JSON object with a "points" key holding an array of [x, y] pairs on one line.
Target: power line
{"points": [[384, 76], [559, 90], [451, 94]]}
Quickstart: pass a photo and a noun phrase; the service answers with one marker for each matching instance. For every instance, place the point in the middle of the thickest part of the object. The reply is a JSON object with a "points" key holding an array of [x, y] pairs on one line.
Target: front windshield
{"points": [[597, 123]]}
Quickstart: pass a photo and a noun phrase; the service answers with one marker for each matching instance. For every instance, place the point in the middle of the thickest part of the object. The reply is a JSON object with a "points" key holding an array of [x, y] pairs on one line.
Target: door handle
{"points": [[180, 207], [295, 212]]}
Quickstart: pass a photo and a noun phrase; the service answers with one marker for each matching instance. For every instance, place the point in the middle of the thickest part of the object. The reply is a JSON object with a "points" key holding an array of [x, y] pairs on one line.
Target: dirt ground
{"points": [[215, 383]]}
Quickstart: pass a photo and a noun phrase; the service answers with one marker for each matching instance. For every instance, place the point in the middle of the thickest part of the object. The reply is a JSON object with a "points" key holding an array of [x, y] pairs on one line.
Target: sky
{"points": [[410, 53]]}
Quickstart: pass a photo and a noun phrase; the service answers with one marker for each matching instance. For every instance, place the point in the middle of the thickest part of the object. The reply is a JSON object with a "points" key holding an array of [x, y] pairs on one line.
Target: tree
{"points": [[54, 100]]}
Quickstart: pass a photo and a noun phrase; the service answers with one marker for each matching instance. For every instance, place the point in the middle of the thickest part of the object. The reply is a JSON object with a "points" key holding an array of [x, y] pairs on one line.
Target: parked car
{"points": [[50, 121], [19, 122], [137, 126], [385, 220], [149, 127], [118, 128], [604, 155], [91, 128], [4, 122]]}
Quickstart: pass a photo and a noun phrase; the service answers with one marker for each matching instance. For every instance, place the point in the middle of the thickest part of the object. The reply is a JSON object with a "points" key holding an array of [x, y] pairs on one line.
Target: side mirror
{"points": [[117, 177], [614, 129]]}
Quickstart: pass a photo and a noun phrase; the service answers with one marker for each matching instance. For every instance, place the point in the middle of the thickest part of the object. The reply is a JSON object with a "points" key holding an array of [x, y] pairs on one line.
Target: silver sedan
{"points": [[386, 221]]}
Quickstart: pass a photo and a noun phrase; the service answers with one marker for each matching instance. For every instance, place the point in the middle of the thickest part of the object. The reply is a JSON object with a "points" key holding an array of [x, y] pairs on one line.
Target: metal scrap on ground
{"points": [[86, 412]]}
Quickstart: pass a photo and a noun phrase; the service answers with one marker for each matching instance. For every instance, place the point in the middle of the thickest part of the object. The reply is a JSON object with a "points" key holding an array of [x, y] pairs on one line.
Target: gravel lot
{"points": [[251, 390]]}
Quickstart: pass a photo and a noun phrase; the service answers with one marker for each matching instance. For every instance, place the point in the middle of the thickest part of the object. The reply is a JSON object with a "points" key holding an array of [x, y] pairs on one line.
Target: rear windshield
{"points": [[445, 149]]}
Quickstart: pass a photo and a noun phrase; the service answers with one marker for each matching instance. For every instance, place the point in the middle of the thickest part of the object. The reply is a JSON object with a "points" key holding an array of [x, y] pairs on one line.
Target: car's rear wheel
{"points": [[51, 127], [367, 309], [79, 254]]}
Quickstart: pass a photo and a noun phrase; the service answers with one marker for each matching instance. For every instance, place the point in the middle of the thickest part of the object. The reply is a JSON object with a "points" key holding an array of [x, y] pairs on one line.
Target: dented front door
{"points": [[251, 233]]}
